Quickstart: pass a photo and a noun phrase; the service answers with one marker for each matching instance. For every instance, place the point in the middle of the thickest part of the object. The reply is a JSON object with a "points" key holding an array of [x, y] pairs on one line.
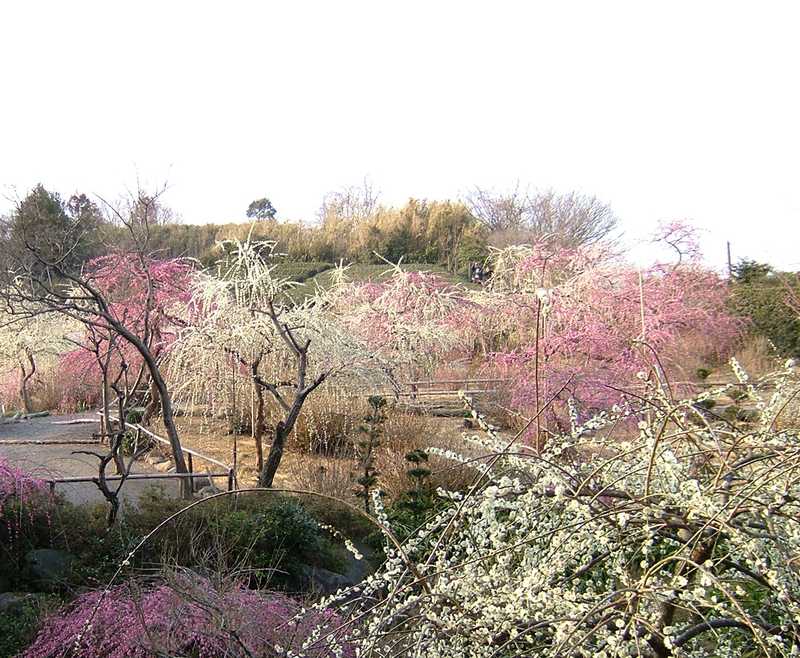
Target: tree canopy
{"points": [[261, 209]]}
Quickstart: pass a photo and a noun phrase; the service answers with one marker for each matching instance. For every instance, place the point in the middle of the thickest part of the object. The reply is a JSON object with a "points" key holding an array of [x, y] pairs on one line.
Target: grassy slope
{"points": [[363, 273]]}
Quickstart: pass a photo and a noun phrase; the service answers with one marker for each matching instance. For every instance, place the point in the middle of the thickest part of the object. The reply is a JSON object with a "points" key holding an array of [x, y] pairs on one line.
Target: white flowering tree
{"points": [[242, 320], [414, 320], [678, 536], [25, 342]]}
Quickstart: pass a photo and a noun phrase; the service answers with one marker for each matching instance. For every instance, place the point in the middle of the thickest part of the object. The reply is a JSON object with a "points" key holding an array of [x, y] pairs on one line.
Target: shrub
{"points": [[271, 537], [189, 616], [135, 415], [131, 443], [19, 624], [671, 540], [762, 296], [703, 373], [417, 503]]}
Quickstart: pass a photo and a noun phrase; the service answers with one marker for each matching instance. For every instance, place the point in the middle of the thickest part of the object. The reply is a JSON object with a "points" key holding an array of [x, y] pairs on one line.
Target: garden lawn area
{"points": [[364, 273]]}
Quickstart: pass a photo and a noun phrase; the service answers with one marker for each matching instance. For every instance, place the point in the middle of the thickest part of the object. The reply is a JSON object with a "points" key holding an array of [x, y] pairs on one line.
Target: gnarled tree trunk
{"points": [[260, 426], [25, 377]]}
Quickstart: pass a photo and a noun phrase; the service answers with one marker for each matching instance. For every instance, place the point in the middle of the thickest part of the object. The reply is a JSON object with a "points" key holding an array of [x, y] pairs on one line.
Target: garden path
{"points": [[56, 460]]}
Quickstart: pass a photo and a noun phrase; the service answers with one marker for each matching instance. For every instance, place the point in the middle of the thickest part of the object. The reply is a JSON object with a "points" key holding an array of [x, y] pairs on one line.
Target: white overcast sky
{"points": [[663, 109]]}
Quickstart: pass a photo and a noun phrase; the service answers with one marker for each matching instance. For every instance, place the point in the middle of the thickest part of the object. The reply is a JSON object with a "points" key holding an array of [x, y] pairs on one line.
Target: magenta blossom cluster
{"points": [[188, 617], [22, 497]]}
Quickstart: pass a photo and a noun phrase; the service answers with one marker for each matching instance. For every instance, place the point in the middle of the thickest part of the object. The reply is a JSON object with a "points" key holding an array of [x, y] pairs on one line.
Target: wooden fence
{"points": [[447, 387], [224, 470], [227, 470]]}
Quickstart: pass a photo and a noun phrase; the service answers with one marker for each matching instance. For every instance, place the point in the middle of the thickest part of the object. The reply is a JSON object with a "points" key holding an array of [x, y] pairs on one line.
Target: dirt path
{"points": [[57, 459]]}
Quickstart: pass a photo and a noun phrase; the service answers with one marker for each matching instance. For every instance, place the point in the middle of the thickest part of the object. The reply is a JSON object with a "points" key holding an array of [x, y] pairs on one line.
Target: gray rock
{"points": [[163, 467], [49, 566], [201, 482], [325, 582], [210, 490]]}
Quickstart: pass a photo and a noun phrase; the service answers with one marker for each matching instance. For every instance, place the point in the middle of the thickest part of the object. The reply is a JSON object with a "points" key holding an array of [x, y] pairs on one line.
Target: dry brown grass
{"points": [[683, 359], [335, 473], [330, 475], [497, 408], [329, 423], [420, 433], [321, 455], [758, 357]]}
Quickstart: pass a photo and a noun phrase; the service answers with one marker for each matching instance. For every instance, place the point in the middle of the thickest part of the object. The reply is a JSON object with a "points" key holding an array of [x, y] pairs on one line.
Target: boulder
{"points": [[210, 490], [325, 582], [49, 566]]}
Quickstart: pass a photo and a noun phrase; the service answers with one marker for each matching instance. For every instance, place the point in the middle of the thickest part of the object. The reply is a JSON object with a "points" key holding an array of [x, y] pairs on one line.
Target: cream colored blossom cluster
{"points": [[677, 534]]}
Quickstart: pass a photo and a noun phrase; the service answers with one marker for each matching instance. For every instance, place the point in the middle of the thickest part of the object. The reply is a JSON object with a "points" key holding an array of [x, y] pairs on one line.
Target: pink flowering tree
{"points": [[147, 296], [590, 323], [128, 295]]}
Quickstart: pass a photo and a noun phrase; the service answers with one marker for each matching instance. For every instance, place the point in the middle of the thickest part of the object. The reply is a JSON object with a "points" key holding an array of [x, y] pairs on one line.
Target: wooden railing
{"points": [[441, 387], [190, 455], [225, 470]]}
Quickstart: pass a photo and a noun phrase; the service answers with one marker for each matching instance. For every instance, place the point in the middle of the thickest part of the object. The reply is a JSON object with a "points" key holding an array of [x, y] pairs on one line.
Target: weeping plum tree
{"points": [[241, 321], [413, 320], [24, 342]]}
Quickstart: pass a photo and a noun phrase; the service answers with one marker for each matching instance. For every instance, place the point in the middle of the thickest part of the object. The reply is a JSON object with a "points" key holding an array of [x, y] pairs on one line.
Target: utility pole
{"points": [[730, 264]]}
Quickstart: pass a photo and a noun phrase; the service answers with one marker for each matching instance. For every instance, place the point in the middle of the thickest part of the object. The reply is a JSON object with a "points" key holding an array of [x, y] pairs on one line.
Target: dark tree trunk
{"points": [[167, 414], [267, 475], [25, 377], [283, 429], [154, 406], [260, 427], [172, 432]]}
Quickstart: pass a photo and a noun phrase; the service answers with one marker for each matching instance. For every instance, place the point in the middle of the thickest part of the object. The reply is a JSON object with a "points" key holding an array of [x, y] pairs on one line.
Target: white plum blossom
{"points": [[674, 536]]}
